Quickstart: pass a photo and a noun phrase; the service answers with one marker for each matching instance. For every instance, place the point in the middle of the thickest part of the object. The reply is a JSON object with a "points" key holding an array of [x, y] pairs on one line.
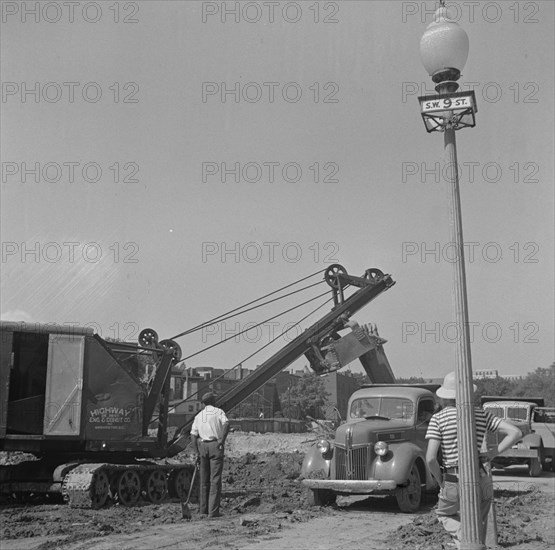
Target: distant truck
{"points": [[536, 449], [380, 448]]}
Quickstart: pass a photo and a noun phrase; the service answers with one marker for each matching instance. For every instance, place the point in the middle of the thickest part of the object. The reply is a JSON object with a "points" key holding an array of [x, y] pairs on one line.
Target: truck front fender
{"points": [[396, 464], [315, 465]]}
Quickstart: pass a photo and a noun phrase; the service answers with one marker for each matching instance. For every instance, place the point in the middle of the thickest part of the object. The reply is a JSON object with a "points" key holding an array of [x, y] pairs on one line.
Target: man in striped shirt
{"points": [[442, 435]]}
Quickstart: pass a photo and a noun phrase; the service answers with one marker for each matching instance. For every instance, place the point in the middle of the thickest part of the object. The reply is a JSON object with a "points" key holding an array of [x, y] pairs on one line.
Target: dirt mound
{"points": [[264, 483], [269, 479], [240, 443], [524, 521]]}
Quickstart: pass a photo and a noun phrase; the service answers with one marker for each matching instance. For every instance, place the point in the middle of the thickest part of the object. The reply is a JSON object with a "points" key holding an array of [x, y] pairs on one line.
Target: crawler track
{"points": [[92, 485]]}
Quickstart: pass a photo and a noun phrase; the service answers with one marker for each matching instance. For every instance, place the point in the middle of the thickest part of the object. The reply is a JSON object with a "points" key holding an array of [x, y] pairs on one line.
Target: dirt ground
{"points": [[264, 507]]}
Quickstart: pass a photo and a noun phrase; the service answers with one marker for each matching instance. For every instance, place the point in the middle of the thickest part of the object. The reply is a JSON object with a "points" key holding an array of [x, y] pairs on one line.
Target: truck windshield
{"points": [[496, 411], [517, 413], [390, 407]]}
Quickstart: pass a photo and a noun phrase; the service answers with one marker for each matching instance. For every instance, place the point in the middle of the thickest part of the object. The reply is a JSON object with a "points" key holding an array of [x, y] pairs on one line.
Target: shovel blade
{"points": [[185, 511]]}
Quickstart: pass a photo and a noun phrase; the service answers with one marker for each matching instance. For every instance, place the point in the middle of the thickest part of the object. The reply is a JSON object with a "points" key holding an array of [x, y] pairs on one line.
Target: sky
{"points": [[164, 162]]}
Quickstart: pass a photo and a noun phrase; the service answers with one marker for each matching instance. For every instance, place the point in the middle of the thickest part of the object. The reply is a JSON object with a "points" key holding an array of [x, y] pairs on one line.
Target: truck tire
{"points": [[534, 467], [410, 496], [546, 463], [321, 497]]}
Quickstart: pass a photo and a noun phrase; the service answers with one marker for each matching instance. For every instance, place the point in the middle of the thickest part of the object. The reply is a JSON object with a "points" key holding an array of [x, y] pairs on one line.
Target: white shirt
{"points": [[209, 423]]}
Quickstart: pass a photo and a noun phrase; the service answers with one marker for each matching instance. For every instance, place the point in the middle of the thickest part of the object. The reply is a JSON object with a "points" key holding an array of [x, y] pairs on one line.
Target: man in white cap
{"points": [[208, 434], [442, 434]]}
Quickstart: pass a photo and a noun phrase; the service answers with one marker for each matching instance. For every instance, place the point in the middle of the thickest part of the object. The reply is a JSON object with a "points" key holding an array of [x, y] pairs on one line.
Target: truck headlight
{"points": [[323, 446], [381, 448]]}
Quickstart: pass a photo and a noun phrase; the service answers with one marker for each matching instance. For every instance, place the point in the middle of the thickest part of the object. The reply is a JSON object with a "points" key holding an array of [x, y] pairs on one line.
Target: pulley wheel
{"points": [[331, 275], [373, 274], [148, 338], [173, 346]]}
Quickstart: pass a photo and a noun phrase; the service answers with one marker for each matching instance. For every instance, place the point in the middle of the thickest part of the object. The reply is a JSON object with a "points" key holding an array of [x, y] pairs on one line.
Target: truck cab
{"points": [[380, 448]]}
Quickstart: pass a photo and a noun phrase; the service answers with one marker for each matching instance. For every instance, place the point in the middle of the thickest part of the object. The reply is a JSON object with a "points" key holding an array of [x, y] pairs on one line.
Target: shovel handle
{"points": [[192, 483]]}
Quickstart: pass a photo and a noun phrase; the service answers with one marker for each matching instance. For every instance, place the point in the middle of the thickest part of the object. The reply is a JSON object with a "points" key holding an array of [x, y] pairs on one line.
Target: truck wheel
{"points": [[544, 459], [534, 467], [321, 497], [409, 497]]}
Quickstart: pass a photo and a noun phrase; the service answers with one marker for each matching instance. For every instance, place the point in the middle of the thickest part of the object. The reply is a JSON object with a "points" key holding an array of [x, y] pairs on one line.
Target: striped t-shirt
{"points": [[443, 427]]}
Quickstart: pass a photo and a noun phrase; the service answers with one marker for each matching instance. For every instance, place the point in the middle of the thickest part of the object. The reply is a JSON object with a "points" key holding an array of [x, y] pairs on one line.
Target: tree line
{"points": [[538, 383], [308, 396]]}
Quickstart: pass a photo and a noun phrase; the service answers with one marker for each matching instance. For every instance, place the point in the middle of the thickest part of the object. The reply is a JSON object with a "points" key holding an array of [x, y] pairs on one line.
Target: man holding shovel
{"points": [[208, 435]]}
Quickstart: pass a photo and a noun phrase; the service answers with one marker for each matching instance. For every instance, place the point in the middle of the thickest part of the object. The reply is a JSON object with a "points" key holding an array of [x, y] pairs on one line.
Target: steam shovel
{"points": [[185, 510]]}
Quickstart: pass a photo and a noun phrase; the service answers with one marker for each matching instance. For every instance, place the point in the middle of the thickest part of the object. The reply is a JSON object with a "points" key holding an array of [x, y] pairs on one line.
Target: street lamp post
{"points": [[444, 50]]}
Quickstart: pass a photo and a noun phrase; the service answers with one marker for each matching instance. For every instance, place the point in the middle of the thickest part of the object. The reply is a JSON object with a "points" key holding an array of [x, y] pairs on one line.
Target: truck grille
{"points": [[352, 463]]}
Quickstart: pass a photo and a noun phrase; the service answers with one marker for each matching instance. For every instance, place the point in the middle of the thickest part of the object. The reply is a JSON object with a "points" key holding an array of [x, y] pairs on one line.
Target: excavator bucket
{"points": [[341, 352], [377, 366], [363, 343]]}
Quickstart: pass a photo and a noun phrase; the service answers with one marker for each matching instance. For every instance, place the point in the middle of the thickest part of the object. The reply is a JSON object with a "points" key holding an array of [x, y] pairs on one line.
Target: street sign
{"points": [[448, 102], [456, 110]]}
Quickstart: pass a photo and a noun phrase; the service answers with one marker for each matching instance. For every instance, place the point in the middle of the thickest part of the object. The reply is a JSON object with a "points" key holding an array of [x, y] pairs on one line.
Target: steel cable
{"points": [[254, 326], [176, 435], [219, 317]]}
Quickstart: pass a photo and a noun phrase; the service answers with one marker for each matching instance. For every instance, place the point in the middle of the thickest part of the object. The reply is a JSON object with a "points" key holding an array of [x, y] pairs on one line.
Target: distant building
{"points": [[513, 376], [481, 374], [187, 386], [341, 387], [285, 380]]}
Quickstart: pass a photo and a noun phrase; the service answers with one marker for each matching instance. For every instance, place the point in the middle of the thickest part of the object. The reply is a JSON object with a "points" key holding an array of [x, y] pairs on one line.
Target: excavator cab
{"points": [[67, 389]]}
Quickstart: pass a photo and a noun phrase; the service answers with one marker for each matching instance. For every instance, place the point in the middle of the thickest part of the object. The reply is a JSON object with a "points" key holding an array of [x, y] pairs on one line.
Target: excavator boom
{"points": [[370, 287]]}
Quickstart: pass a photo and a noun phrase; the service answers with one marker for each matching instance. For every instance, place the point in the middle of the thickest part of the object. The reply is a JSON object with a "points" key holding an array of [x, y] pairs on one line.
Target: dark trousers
{"points": [[211, 467]]}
